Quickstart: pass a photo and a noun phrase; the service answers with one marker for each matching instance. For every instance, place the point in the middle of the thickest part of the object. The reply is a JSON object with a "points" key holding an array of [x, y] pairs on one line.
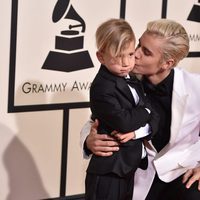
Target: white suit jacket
{"points": [[183, 150]]}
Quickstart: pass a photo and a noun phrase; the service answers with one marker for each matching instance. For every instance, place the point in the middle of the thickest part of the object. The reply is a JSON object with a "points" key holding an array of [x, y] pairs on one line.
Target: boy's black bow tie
{"points": [[132, 80]]}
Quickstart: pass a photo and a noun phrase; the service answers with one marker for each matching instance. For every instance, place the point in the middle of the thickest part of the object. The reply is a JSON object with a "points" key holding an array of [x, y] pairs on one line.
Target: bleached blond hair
{"points": [[176, 44]]}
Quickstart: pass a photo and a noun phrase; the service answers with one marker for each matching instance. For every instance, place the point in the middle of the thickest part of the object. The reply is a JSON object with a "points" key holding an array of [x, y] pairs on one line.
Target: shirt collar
{"points": [[164, 88]]}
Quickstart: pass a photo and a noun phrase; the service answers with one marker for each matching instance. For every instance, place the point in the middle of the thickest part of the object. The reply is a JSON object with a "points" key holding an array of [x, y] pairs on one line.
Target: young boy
{"points": [[120, 107]]}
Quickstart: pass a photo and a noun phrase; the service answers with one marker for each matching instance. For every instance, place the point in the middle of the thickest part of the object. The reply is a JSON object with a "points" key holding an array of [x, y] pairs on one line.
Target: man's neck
{"points": [[159, 77]]}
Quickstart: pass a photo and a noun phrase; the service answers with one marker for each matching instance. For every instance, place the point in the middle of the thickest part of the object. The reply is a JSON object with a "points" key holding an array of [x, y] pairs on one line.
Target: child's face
{"points": [[122, 64]]}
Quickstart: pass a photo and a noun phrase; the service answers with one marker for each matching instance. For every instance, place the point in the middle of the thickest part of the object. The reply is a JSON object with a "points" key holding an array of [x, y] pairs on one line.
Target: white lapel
{"points": [[179, 97]]}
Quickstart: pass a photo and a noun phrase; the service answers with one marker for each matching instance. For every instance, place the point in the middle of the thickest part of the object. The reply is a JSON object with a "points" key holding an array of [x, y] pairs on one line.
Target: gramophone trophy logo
{"points": [[195, 13], [68, 54]]}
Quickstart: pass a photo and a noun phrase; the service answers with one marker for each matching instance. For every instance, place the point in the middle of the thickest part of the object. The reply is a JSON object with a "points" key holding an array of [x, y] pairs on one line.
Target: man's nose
{"points": [[137, 53]]}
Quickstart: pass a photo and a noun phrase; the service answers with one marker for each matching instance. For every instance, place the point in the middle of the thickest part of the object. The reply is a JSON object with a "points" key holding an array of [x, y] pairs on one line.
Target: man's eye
{"points": [[146, 52]]}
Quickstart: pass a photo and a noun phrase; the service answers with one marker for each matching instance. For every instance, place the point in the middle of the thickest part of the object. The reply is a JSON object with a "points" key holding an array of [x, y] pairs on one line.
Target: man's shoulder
{"points": [[188, 81], [188, 75]]}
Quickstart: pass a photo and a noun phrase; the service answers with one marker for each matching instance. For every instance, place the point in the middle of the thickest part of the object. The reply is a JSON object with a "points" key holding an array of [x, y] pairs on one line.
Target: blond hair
{"points": [[177, 40], [114, 35]]}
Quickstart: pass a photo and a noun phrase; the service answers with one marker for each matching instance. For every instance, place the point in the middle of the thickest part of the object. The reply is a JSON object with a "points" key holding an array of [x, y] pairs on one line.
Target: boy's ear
{"points": [[100, 57]]}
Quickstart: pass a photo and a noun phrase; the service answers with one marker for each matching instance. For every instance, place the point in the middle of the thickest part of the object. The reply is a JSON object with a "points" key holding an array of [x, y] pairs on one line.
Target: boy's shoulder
{"points": [[105, 74]]}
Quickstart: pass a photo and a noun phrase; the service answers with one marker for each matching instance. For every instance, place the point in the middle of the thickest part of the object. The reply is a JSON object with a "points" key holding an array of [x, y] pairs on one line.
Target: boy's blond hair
{"points": [[113, 36], [177, 40]]}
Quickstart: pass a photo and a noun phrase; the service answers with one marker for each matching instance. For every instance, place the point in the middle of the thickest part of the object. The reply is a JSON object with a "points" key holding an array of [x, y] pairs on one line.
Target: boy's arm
{"points": [[124, 119]]}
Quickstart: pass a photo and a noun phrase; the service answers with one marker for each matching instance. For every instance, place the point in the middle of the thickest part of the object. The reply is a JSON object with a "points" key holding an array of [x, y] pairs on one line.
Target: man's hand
{"points": [[191, 176], [100, 144]]}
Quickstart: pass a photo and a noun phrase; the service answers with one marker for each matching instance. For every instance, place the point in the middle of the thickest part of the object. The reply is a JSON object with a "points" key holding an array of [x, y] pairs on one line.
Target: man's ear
{"points": [[100, 57], [168, 64]]}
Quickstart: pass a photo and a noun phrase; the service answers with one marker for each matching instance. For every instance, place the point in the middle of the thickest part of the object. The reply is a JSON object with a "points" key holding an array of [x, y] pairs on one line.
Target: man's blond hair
{"points": [[175, 35]]}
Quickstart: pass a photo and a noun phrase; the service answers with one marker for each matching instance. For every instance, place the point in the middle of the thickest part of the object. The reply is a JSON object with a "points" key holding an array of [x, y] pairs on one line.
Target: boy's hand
{"points": [[123, 137]]}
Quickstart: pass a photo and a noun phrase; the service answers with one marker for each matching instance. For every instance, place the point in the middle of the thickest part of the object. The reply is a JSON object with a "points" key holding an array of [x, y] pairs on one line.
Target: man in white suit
{"points": [[173, 171]]}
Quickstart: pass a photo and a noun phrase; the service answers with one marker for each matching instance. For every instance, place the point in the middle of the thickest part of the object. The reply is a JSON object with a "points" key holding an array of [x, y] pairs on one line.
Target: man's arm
{"points": [[98, 144]]}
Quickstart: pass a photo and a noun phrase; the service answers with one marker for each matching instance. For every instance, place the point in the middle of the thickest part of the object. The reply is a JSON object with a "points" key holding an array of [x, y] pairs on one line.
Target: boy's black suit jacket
{"points": [[113, 105]]}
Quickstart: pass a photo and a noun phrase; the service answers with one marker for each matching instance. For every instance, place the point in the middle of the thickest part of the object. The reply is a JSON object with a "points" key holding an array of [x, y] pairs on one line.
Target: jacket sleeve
{"points": [[191, 156], [83, 135], [177, 160], [121, 116]]}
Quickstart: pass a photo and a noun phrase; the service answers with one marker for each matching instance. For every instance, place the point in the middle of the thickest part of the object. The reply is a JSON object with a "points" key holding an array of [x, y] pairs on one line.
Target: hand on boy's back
{"points": [[101, 144]]}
